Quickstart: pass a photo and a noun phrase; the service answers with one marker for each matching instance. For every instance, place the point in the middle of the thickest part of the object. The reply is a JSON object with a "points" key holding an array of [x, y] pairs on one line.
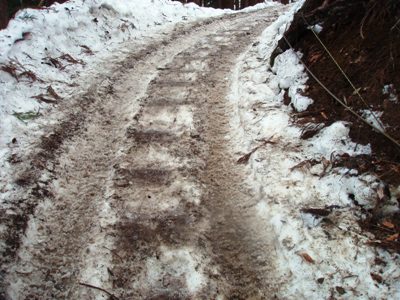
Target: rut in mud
{"points": [[147, 201]]}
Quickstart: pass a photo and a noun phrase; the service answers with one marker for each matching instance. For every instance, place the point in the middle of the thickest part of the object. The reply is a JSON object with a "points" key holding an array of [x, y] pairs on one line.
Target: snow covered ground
{"points": [[50, 55], [319, 257]]}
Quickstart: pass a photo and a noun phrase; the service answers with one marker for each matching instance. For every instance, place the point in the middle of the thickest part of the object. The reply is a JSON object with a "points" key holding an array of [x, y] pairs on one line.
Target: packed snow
{"points": [[318, 257]]}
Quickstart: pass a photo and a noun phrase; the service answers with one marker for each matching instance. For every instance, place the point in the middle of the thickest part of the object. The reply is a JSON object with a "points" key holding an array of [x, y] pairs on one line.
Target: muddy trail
{"points": [[143, 198]]}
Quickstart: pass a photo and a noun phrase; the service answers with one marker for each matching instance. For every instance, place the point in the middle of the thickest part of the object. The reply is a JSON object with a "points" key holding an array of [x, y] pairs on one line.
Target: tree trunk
{"points": [[3, 14], [244, 3], [228, 4], [198, 2], [252, 2]]}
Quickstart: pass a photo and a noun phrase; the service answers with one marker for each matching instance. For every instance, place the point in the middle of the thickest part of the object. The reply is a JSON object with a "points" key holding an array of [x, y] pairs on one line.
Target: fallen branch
{"points": [[113, 297]]}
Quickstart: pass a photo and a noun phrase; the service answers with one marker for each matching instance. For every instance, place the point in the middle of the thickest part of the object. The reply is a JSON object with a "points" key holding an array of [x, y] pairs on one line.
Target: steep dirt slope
{"points": [[363, 36]]}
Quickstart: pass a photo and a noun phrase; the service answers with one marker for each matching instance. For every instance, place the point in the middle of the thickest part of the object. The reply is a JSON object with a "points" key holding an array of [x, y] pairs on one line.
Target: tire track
{"points": [[148, 201]]}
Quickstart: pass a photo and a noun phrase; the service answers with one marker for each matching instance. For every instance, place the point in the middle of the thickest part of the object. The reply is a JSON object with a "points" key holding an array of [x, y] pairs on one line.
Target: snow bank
{"points": [[290, 75], [53, 53], [318, 258]]}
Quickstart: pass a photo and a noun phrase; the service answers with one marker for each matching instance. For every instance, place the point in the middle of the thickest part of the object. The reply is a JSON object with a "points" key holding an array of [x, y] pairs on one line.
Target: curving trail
{"points": [[145, 198]]}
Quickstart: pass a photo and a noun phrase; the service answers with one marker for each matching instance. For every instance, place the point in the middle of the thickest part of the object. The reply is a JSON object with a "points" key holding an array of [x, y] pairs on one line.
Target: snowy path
{"points": [[145, 199]]}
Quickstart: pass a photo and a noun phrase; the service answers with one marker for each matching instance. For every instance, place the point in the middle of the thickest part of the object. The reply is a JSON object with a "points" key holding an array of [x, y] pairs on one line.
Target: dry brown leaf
{"points": [[245, 158], [388, 224], [376, 277], [53, 93], [315, 57], [393, 237], [307, 258]]}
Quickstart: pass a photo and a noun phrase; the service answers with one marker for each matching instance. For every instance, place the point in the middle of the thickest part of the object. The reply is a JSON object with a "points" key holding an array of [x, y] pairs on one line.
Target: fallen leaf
{"points": [[392, 237], [340, 290], [388, 224], [315, 57], [245, 158], [307, 258], [377, 278]]}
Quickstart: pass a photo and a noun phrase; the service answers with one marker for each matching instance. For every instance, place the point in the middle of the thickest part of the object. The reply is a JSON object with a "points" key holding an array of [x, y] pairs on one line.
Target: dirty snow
{"points": [[176, 264], [61, 47], [317, 259]]}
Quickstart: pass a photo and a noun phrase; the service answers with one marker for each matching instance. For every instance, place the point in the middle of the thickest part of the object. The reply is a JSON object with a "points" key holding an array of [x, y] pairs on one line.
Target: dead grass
{"points": [[50, 97], [63, 61], [86, 50]]}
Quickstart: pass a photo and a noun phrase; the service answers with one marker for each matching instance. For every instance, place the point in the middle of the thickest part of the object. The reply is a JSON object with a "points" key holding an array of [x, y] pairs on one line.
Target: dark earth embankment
{"points": [[363, 36]]}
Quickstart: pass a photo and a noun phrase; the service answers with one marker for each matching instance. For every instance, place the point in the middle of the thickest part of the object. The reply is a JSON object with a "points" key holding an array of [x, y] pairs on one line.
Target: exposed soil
{"points": [[138, 196], [364, 37]]}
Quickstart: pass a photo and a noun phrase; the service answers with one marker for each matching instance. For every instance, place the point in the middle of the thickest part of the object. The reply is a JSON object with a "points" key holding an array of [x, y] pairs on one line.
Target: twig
{"points": [[113, 297], [364, 19], [395, 25]]}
